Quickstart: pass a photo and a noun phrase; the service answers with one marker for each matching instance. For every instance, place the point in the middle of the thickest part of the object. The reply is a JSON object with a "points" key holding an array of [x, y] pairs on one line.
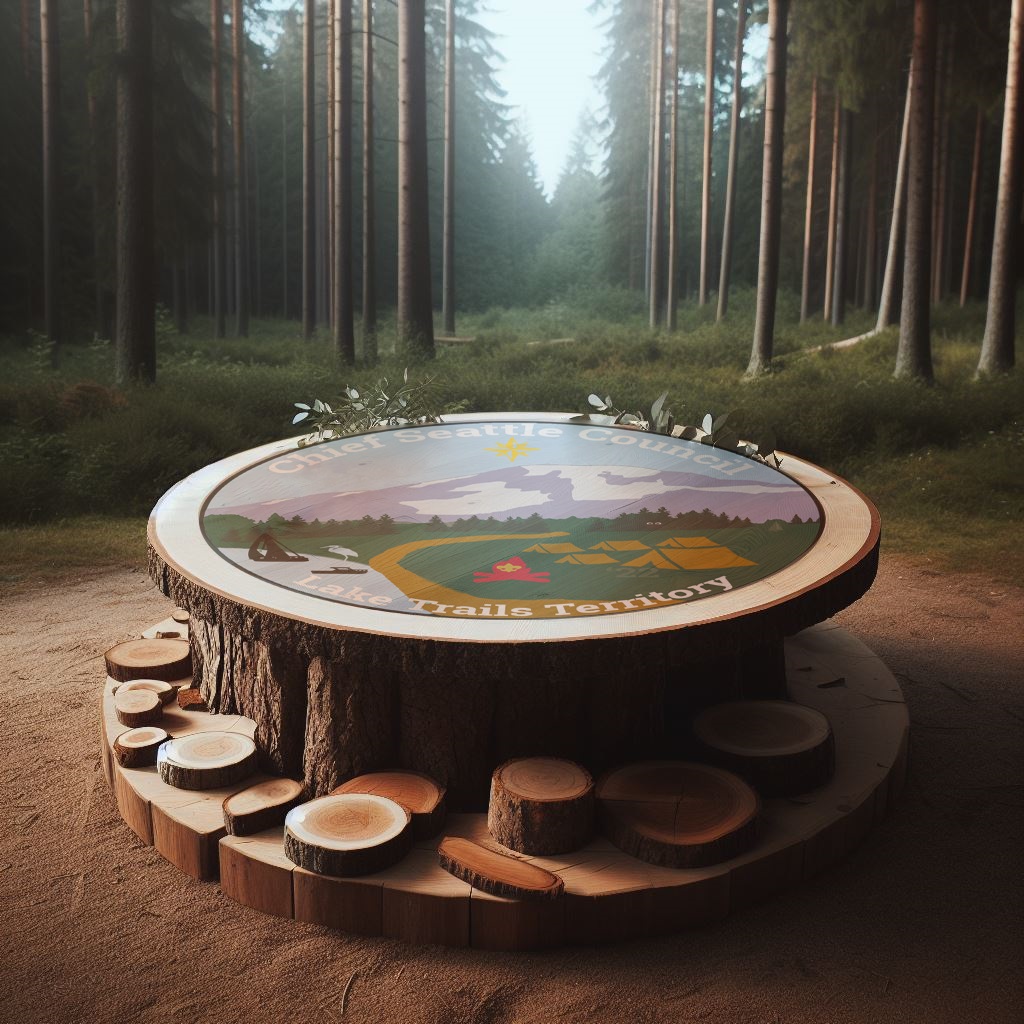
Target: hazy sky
{"points": [[552, 51]]}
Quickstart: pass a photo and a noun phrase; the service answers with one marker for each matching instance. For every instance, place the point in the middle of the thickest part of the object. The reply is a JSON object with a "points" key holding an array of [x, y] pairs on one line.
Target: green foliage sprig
{"points": [[382, 404], [714, 430]]}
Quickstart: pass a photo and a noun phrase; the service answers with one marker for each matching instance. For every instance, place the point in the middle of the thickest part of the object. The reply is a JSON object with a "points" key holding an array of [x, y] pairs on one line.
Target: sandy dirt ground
{"points": [[923, 923]]}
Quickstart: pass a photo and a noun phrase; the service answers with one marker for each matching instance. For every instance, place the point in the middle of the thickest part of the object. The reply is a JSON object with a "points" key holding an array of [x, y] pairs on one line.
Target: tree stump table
{"points": [[444, 598]]}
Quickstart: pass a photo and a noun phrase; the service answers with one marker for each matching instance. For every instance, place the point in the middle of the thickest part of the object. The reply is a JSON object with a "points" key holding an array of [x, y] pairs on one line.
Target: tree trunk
{"points": [[709, 115], [805, 287], [887, 301], [329, 226], [654, 297], [730, 183], [833, 207], [344, 335], [997, 354], [369, 205], [217, 149], [284, 198], [135, 339], [651, 133], [941, 165], [771, 189], [415, 308], [26, 46], [241, 172], [448, 257], [673, 170], [842, 217], [94, 177], [913, 357], [49, 39], [871, 228], [972, 206], [309, 171]]}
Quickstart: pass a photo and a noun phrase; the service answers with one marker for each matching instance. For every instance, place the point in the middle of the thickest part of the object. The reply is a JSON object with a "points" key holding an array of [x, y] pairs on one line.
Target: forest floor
{"points": [[923, 923]]}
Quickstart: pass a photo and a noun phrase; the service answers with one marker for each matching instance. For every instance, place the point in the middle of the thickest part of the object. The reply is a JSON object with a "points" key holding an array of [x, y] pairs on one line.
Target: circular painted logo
{"points": [[511, 520]]}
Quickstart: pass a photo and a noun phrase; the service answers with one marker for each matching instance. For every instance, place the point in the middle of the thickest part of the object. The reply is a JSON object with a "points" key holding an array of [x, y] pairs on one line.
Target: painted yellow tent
{"points": [[585, 559], [654, 558], [687, 542], [705, 558], [554, 549], [619, 545]]}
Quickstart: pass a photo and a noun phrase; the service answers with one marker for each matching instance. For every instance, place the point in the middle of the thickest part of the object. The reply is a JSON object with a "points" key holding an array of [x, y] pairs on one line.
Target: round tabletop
{"points": [[515, 527]]}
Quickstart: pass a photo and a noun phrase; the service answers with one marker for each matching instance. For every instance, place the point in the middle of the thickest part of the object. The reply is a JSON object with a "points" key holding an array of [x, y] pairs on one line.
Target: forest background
{"points": [[271, 252]]}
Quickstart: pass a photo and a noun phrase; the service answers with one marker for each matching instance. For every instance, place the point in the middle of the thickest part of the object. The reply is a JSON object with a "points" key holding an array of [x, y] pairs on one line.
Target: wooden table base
{"points": [[608, 896]]}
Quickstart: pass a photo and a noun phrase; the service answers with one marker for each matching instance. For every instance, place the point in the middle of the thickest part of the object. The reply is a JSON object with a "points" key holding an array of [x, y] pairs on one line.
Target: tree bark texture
{"points": [[709, 117], [369, 204], [913, 357], [309, 170], [871, 229], [217, 153], [331, 704], [997, 354], [344, 331], [49, 39], [730, 183], [448, 247], [842, 217], [771, 189], [887, 302], [415, 308], [812, 145], [941, 169], [135, 341], [99, 327]]}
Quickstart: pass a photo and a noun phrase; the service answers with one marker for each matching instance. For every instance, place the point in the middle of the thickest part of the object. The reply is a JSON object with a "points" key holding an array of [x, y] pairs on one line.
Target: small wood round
{"points": [[781, 748], [261, 806], [347, 834], [162, 689], [496, 873], [541, 805], [677, 814], [149, 659], [417, 792], [180, 615], [136, 708], [206, 760], [190, 698], [137, 748]]}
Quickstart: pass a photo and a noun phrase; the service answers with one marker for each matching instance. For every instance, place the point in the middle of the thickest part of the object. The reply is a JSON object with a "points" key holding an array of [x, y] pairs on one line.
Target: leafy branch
{"points": [[715, 431], [382, 404]]}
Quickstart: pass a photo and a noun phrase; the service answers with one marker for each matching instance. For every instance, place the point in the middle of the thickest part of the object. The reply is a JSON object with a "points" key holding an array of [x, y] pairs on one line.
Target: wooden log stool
{"points": [[261, 806], [496, 873], [781, 748], [677, 814], [162, 689], [149, 659], [347, 834], [136, 708], [417, 792], [137, 748], [541, 806], [206, 760]]}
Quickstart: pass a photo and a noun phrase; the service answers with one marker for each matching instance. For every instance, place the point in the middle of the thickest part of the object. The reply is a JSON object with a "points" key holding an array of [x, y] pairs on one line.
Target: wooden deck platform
{"points": [[609, 896]]}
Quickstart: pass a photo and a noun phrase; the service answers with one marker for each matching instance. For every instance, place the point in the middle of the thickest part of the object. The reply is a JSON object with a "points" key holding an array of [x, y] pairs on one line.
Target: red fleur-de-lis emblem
{"points": [[511, 569]]}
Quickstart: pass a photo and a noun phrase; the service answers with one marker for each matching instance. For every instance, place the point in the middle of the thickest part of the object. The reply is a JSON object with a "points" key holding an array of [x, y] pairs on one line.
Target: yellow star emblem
{"points": [[511, 449]]}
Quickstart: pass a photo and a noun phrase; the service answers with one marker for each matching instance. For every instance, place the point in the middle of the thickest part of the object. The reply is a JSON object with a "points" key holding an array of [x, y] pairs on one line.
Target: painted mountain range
{"points": [[554, 492]]}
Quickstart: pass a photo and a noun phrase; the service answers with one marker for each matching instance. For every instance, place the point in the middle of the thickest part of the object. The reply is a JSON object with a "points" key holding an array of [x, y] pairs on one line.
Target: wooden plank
{"points": [[607, 899], [255, 872], [425, 904], [681, 898], [133, 808], [509, 925], [353, 905]]}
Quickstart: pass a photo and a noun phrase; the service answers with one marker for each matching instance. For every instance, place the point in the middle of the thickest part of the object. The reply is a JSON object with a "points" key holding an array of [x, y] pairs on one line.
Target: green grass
{"points": [[82, 463]]}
